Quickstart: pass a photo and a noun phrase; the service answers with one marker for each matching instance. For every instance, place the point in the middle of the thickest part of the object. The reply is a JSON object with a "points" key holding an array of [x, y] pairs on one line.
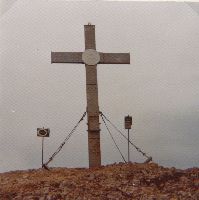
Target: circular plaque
{"points": [[90, 57]]}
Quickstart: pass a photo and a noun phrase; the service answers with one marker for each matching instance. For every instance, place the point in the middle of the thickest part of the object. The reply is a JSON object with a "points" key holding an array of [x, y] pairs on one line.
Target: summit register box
{"points": [[128, 122]]}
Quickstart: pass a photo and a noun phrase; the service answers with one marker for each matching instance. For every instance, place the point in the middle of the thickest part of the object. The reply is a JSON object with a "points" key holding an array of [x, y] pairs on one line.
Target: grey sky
{"points": [[194, 6], [160, 88], [5, 5]]}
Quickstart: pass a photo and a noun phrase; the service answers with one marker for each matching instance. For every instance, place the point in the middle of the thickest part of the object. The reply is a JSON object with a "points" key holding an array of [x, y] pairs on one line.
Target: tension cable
{"points": [[63, 143], [149, 158], [113, 139]]}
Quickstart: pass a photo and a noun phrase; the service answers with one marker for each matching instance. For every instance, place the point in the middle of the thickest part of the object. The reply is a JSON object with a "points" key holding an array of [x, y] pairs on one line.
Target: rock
{"points": [[115, 181], [184, 179], [196, 183], [163, 197], [114, 195], [25, 176], [136, 182], [91, 177]]}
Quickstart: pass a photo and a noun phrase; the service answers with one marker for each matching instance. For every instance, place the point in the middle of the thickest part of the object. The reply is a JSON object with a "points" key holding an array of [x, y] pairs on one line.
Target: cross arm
{"points": [[114, 58], [66, 57]]}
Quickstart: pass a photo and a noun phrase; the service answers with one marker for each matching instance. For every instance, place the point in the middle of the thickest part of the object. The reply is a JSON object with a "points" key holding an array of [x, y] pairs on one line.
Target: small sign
{"points": [[128, 122], [43, 132]]}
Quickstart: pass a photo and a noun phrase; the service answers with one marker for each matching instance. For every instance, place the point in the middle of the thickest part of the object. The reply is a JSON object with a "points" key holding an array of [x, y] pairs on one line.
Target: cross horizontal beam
{"points": [[66, 57], [114, 58], [76, 57]]}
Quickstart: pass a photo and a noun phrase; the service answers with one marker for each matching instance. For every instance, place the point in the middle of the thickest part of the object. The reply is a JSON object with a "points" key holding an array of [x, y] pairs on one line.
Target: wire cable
{"points": [[66, 139], [113, 139], [136, 147]]}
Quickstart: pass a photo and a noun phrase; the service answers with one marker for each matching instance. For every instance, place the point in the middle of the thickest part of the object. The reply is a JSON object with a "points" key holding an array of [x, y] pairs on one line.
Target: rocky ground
{"points": [[117, 181]]}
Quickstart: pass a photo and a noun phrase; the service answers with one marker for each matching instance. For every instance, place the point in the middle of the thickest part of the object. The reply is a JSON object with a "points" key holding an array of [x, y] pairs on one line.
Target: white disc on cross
{"points": [[90, 57]]}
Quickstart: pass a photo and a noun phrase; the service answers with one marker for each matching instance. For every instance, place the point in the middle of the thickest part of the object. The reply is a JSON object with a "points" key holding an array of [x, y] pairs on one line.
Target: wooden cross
{"points": [[90, 57]]}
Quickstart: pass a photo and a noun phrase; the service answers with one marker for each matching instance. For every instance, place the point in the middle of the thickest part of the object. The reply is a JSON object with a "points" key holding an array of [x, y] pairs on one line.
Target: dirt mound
{"points": [[117, 181]]}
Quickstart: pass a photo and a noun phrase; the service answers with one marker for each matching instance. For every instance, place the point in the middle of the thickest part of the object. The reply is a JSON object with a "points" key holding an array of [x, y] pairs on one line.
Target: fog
{"points": [[160, 88]]}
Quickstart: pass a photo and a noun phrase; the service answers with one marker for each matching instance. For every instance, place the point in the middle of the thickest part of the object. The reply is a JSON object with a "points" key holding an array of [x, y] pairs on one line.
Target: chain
{"points": [[149, 158], [63, 143], [113, 139]]}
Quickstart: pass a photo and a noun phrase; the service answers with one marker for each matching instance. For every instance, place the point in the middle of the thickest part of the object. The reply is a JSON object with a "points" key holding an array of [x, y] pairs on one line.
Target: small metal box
{"points": [[128, 122]]}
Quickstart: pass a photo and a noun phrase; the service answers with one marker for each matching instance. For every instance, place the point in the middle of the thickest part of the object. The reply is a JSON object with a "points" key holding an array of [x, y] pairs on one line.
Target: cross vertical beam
{"points": [[92, 102]]}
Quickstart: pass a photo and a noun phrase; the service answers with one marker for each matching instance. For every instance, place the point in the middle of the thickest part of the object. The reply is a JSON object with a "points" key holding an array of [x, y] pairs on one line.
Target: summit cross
{"points": [[90, 57]]}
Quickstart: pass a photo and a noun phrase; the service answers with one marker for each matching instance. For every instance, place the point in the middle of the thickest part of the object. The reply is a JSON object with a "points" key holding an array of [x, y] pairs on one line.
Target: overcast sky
{"points": [[160, 88]]}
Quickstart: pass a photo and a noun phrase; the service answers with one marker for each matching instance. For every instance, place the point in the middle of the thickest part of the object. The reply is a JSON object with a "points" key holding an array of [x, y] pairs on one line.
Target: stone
{"points": [[91, 177], [115, 181]]}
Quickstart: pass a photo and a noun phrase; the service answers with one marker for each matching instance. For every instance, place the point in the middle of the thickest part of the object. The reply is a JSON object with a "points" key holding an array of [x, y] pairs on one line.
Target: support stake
{"points": [[42, 152], [128, 147]]}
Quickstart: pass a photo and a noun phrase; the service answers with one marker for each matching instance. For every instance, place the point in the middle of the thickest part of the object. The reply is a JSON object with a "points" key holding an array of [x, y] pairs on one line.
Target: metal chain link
{"points": [[149, 158], [63, 143], [113, 139]]}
